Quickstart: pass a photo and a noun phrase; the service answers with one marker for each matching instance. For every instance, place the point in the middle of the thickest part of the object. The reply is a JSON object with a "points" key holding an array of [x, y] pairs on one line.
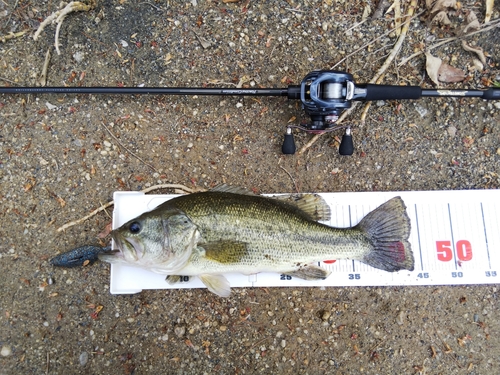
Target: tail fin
{"points": [[388, 228]]}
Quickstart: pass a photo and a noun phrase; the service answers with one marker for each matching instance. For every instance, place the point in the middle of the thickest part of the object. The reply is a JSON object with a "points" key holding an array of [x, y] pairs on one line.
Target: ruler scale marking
{"points": [[418, 238], [452, 239], [486, 236]]}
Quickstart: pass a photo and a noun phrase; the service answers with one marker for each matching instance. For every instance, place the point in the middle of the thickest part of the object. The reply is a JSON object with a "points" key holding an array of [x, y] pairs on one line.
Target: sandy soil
{"points": [[62, 156]]}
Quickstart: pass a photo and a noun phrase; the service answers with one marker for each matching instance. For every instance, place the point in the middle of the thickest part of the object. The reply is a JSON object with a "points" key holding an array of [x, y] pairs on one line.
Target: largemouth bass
{"points": [[228, 230]]}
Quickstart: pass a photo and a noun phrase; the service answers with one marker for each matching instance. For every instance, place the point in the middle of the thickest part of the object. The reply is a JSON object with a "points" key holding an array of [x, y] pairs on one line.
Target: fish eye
{"points": [[134, 227]]}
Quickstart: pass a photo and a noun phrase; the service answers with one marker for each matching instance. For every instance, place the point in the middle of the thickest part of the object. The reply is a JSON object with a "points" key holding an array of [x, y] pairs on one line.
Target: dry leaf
{"points": [[448, 73], [441, 18], [477, 50], [61, 201], [106, 231], [440, 5], [432, 65], [472, 23], [489, 10]]}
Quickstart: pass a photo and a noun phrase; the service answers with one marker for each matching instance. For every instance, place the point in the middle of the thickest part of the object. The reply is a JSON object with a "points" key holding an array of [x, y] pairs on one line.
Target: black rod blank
{"points": [[144, 90], [489, 94]]}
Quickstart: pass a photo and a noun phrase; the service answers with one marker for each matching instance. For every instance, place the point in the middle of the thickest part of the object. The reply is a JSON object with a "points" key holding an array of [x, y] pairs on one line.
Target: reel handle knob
{"points": [[346, 145], [288, 147]]}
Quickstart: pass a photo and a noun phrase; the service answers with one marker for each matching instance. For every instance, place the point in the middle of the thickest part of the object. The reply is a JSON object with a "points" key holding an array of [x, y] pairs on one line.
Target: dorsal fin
{"points": [[223, 188], [313, 205]]}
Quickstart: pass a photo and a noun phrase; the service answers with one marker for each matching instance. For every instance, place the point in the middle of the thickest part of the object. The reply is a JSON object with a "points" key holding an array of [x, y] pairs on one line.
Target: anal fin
{"points": [[217, 284], [310, 272]]}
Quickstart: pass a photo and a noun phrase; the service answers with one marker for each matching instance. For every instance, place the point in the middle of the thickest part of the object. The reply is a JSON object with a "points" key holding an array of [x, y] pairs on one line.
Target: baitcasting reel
{"points": [[324, 95]]}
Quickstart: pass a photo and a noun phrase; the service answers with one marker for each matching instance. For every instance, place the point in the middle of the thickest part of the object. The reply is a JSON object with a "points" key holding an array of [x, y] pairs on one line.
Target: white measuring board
{"points": [[455, 238]]}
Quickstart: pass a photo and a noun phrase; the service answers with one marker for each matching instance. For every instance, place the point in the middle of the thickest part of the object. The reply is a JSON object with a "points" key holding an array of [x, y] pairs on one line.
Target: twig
{"points": [[254, 345], [490, 25], [395, 50], [8, 80], [399, 43], [130, 152], [356, 25], [489, 10], [59, 16], [109, 204], [43, 76], [154, 6], [291, 178], [363, 47], [9, 36], [81, 220]]}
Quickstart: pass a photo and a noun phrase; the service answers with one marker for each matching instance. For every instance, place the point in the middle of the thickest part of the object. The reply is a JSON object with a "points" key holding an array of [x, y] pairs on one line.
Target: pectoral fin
{"points": [[310, 272], [217, 284], [173, 279], [226, 252]]}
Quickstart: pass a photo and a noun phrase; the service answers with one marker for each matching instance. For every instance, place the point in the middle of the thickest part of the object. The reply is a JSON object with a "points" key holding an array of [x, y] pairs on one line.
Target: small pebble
{"points": [[421, 110], [6, 351], [50, 106], [84, 358], [78, 56], [326, 315], [400, 318], [180, 331]]}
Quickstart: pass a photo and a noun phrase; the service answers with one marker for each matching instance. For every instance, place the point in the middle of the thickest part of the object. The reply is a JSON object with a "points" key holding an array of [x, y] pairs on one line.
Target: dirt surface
{"points": [[59, 161]]}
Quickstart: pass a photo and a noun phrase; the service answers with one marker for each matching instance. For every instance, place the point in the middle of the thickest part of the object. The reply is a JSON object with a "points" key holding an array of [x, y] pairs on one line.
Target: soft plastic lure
{"points": [[77, 257]]}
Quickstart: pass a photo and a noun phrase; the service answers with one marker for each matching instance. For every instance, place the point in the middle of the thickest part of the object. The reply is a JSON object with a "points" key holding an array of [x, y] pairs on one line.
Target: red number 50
{"points": [[445, 252]]}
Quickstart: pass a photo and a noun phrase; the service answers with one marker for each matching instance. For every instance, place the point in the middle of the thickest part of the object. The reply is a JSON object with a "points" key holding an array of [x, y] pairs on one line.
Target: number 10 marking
{"points": [[445, 251]]}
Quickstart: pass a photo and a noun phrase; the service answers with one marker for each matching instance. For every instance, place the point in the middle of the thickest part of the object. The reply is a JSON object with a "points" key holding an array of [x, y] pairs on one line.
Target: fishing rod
{"points": [[324, 94]]}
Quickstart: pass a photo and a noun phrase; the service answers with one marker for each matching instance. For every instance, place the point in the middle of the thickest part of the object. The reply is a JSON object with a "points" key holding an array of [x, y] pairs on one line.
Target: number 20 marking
{"points": [[445, 252]]}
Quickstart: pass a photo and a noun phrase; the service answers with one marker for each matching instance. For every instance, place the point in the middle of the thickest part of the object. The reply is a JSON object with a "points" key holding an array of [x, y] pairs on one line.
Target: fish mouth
{"points": [[128, 249]]}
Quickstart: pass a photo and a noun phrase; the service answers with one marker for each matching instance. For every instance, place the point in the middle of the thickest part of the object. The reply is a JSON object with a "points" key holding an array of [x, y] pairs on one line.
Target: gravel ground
{"points": [[62, 156]]}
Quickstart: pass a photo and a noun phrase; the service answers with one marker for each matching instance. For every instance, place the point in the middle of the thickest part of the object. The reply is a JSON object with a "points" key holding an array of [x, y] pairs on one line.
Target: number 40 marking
{"points": [[445, 252]]}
